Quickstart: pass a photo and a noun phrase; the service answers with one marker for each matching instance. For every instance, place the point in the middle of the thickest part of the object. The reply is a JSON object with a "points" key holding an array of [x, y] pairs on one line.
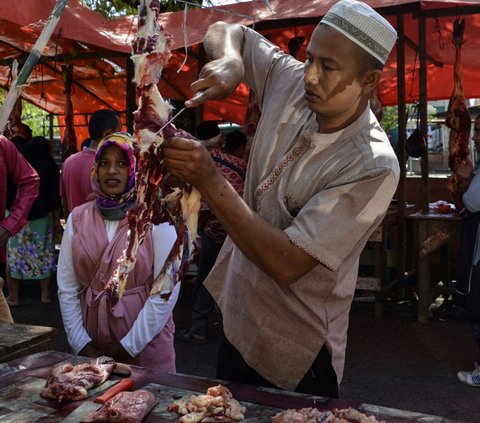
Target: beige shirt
{"points": [[328, 192]]}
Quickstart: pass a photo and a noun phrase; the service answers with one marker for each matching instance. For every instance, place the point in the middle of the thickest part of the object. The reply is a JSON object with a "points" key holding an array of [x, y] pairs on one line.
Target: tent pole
{"points": [[30, 63], [400, 150], [131, 96], [423, 108]]}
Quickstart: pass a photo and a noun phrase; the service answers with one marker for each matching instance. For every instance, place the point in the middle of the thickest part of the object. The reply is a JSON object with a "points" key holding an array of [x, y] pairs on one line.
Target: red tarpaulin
{"points": [[84, 35]]}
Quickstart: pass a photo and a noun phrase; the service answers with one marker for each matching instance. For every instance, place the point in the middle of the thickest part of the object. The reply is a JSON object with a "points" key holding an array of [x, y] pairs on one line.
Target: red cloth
{"points": [[76, 185], [14, 165]]}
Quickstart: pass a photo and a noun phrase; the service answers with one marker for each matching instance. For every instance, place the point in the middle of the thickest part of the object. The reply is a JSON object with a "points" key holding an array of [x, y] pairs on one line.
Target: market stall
{"points": [[23, 380]]}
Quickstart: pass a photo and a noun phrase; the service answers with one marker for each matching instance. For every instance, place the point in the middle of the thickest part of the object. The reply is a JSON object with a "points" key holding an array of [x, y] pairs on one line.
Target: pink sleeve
{"points": [[27, 181]]}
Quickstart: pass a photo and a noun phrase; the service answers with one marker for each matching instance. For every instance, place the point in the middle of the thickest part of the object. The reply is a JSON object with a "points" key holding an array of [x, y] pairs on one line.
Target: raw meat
{"points": [[160, 198], [69, 142], [68, 382], [458, 117], [125, 407], [217, 405], [314, 415]]}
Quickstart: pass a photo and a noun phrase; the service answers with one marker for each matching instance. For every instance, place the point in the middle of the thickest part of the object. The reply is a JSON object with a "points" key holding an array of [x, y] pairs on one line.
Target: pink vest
{"points": [[94, 260]]}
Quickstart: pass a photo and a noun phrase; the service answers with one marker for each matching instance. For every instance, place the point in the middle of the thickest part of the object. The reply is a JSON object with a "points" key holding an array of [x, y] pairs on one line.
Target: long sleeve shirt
{"points": [[14, 166]]}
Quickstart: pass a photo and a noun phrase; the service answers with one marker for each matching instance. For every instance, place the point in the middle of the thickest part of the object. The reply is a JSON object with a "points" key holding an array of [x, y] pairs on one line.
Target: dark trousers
{"points": [[203, 303], [472, 303], [320, 379]]}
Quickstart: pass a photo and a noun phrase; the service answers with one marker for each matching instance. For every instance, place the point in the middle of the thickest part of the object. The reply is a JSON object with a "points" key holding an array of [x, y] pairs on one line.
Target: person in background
{"points": [[236, 144], [468, 278], [31, 252], [212, 235], [139, 329], [321, 176], [13, 166], [75, 186]]}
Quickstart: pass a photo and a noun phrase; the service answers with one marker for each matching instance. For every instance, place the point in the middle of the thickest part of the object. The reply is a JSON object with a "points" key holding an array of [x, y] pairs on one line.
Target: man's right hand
{"points": [[4, 235], [218, 79]]}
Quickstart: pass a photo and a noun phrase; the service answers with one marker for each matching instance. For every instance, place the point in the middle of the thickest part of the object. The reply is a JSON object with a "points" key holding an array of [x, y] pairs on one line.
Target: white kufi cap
{"points": [[364, 26]]}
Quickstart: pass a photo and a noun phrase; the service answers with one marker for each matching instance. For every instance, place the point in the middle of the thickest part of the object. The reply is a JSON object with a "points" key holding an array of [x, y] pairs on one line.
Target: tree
{"points": [[34, 117], [114, 8]]}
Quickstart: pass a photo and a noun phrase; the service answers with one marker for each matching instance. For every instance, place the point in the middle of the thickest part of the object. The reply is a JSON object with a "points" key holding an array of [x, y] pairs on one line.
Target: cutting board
{"points": [[165, 395]]}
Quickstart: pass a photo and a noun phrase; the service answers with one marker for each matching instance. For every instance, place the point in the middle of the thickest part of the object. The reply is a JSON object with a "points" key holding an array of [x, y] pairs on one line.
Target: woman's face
{"points": [[113, 171]]}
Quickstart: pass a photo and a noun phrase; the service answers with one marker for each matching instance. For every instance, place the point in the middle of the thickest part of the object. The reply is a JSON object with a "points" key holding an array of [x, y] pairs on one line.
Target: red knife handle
{"points": [[123, 385]]}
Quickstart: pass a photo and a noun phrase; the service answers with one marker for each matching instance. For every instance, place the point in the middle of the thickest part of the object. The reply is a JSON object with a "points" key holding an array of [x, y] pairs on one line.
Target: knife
{"points": [[88, 407]]}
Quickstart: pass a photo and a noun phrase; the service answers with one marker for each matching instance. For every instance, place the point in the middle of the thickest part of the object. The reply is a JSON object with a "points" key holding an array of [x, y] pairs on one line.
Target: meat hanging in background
{"points": [[458, 118], [69, 142], [160, 197]]}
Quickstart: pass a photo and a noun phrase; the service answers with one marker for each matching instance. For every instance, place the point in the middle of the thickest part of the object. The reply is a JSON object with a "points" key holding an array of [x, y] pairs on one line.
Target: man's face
{"points": [[332, 85], [476, 135]]}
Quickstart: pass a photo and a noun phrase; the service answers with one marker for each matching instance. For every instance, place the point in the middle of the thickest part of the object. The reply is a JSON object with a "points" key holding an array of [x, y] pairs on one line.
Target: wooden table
{"points": [[21, 381], [17, 340], [431, 232]]}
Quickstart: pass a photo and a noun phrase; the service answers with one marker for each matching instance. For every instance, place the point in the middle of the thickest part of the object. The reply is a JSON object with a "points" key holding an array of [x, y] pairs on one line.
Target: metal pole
{"points": [[400, 150], [30, 63], [422, 107]]}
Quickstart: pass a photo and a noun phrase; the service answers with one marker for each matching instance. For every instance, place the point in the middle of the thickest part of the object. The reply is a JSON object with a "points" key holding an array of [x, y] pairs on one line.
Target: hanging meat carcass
{"points": [[458, 118], [69, 143], [160, 197]]}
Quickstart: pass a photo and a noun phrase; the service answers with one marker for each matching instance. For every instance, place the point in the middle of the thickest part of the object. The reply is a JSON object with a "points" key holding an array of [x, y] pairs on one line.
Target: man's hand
{"points": [[4, 235], [218, 79], [190, 161]]}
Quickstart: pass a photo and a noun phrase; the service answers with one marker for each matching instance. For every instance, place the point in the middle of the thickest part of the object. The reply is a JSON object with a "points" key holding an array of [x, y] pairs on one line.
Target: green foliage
{"points": [[36, 118], [114, 8], [390, 118], [111, 8]]}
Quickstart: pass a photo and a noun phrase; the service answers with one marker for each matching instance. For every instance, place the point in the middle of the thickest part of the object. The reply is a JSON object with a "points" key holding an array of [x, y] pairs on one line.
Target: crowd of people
{"points": [[279, 238]]}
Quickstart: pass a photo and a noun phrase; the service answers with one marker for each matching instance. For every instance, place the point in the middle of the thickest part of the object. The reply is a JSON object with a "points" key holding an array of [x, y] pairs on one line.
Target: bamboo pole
{"points": [[30, 63]]}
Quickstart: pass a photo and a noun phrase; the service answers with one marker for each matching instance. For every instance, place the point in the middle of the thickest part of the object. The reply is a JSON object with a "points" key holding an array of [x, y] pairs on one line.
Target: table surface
{"points": [[15, 336], [21, 381], [433, 216]]}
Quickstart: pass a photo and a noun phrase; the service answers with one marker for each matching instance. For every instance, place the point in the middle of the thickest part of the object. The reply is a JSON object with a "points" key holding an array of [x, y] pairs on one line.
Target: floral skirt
{"points": [[31, 252]]}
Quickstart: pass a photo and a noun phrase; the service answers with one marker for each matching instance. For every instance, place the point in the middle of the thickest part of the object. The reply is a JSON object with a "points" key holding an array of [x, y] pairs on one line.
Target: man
{"points": [[468, 278], [75, 185], [320, 178], [212, 235], [14, 166]]}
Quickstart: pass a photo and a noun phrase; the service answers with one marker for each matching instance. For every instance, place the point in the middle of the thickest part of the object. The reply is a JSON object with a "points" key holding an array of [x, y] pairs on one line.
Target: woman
{"points": [[139, 329], [31, 252]]}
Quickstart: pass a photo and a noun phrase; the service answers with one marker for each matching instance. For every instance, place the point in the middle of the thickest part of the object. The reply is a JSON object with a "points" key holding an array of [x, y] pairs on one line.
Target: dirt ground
{"points": [[393, 362]]}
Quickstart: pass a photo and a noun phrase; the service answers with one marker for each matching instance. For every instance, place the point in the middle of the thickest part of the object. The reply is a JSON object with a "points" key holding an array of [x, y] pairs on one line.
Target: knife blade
{"points": [[88, 407]]}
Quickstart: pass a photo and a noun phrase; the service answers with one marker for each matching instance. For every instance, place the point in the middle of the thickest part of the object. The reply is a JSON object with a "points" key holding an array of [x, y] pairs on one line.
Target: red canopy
{"points": [[84, 37]]}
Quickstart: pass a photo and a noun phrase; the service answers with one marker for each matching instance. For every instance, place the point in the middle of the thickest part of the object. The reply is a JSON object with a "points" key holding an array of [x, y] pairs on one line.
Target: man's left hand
{"points": [[189, 161]]}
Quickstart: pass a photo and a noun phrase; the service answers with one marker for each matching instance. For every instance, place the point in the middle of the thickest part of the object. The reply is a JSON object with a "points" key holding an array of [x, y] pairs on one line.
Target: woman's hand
{"points": [[88, 351], [117, 352], [4, 235]]}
